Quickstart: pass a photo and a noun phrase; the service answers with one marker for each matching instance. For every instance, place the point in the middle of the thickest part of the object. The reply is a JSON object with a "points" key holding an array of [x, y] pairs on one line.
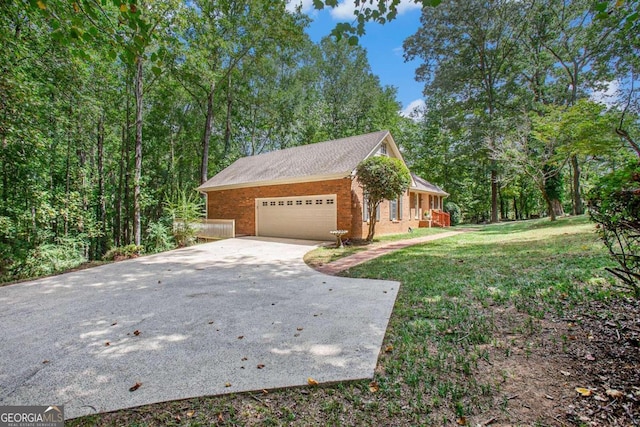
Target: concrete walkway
{"points": [[347, 262], [224, 317]]}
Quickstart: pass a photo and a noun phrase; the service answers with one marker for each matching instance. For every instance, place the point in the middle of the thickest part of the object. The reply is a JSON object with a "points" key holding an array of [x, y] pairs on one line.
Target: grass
{"points": [[467, 305], [329, 253]]}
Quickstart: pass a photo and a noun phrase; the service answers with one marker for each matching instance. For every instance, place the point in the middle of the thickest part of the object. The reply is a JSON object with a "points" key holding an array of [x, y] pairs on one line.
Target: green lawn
{"points": [[469, 309]]}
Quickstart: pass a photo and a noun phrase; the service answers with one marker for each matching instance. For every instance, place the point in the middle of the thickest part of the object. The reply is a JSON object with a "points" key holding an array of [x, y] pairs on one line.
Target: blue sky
{"points": [[382, 42]]}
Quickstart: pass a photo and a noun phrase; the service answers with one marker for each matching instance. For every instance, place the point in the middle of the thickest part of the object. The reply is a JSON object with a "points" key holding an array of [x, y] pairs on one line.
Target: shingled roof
{"points": [[334, 158], [424, 185]]}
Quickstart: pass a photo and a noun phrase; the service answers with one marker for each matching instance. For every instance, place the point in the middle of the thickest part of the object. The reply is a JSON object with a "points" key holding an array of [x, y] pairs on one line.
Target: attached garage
{"points": [[303, 217]]}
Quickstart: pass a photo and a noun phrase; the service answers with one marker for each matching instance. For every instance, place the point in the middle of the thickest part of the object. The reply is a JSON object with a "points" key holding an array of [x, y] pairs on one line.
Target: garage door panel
{"points": [[308, 217]]}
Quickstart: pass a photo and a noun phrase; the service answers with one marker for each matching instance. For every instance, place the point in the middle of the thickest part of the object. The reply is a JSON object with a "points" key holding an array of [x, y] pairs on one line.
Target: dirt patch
{"points": [[538, 371]]}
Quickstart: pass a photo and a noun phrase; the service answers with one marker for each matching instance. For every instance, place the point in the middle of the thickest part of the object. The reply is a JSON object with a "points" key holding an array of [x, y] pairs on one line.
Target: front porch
{"points": [[427, 209]]}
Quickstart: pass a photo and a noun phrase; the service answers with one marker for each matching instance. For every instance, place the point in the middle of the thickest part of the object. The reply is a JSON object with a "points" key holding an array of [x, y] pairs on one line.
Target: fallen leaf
{"points": [[311, 381], [244, 358], [565, 373], [107, 344], [299, 329], [462, 421], [585, 392], [374, 387], [135, 387], [240, 337], [123, 8], [114, 323], [220, 417], [600, 398], [190, 413], [136, 332], [616, 394], [548, 397], [44, 362], [388, 349], [296, 335], [260, 366], [227, 384], [211, 322], [590, 357]]}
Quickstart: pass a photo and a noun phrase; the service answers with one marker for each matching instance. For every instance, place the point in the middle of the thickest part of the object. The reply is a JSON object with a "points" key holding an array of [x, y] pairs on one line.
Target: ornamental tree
{"points": [[381, 178]]}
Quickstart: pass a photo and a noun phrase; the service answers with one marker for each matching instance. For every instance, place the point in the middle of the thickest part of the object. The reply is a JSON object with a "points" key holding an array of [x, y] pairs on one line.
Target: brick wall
{"points": [[384, 225], [239, 203]]}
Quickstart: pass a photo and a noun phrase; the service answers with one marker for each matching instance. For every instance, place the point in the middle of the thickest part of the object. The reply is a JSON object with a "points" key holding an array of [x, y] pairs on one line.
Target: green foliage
{"points": [[381, 178], [184, 210], [158, 238], [454, 211], [50, 258], [123, 252], [614, 205]]}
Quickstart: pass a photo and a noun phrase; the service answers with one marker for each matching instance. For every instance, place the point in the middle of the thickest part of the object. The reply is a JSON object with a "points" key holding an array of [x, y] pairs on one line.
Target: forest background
{"points": [[112, 113]]}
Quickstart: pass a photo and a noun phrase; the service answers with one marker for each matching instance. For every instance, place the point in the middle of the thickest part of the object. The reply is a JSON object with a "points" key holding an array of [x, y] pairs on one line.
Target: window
{"points": [[272, 203], [308, 202], [289, 202], [395, 209], [265, 203], [281, 203], [383, 150], [365, 210], [298, 202], [329, 201], [319, 202]]}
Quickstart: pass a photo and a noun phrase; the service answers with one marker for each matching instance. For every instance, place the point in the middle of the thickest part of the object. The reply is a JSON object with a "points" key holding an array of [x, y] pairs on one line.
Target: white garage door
{"points": [[305, 217]]}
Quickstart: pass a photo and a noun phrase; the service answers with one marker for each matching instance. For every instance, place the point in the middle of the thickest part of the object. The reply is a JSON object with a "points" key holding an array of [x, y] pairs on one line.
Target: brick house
{"points": [[306, 191]]}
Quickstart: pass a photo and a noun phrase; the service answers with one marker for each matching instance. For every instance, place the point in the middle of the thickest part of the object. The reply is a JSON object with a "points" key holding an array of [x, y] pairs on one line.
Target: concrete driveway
{"points": [[224, 317]]}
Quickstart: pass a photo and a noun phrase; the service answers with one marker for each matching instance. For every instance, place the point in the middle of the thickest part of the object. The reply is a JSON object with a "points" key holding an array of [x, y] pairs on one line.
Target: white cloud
{"points": [[608, 96], [414, 110], [345, 9], [307, 5]]}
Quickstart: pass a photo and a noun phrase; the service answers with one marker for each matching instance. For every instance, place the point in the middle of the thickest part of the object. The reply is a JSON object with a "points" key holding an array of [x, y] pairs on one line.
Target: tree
{"points": [[545, 143], [467, 49], [381, 178]]}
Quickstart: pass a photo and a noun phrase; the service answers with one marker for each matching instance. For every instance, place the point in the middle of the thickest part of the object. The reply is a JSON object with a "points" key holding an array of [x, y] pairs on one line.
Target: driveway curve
{"points": [[224, 317]]}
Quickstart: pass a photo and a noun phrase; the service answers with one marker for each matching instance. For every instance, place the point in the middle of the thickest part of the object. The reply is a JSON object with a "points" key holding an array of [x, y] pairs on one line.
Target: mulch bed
{"points": [[605, 350]]}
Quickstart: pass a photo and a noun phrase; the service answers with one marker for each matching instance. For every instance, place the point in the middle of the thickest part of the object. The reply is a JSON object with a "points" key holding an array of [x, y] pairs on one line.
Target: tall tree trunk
{"points": [[227, 129], [101, 208], [206, 137], [578, 208], [117, 231], [494, 193], [137, 233], [550, 208]]}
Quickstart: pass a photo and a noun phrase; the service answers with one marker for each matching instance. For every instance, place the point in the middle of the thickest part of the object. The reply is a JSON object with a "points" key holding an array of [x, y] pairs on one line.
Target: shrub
{"points": [[614, 204], [158, 238], [454, 211], [123, 252], [184, 210], [50, 258]]}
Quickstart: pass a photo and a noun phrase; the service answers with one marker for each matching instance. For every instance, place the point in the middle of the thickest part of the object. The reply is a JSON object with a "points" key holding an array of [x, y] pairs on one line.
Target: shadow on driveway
{"points": [[190, 322]]}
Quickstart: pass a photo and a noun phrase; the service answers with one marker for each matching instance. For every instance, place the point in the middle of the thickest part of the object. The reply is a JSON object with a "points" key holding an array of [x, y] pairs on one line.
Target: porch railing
{"points": [[440, 218], [213, 229]]}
